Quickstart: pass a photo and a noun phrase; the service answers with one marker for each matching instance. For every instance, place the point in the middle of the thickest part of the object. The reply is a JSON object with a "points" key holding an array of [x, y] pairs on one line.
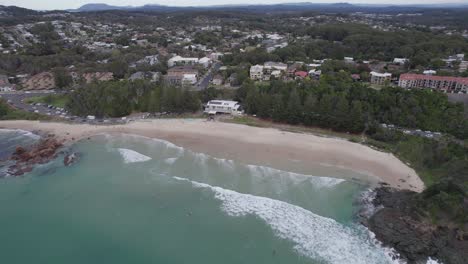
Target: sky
{"points": [[69, 4]]}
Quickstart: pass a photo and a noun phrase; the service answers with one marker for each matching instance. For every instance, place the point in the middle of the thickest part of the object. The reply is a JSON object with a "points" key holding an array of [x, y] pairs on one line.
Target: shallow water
{"points": [[137, 200]]}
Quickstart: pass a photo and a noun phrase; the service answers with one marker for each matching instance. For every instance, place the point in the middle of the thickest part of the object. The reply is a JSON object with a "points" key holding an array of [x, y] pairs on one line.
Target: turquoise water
{"points": [[137, 200]]}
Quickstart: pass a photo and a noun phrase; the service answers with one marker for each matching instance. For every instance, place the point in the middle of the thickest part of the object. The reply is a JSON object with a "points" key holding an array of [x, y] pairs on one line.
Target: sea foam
{"points": [[131, 156], [317, 181], [314, 236]]}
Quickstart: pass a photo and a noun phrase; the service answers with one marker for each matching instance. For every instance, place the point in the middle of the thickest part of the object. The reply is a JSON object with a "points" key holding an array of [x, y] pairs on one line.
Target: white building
{"points": [[429, 72], [380, 78], [178, 60], [205, 61], [256, 72], [224, 107], [400, 61], [189, 79]]}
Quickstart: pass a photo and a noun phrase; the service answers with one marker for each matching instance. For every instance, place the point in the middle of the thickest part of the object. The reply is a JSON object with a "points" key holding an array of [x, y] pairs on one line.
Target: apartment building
{"points": [[380, 78], [443, 83]]}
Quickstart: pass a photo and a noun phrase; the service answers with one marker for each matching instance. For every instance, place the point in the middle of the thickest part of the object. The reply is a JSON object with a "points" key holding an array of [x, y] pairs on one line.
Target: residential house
{"points": [[178, 60], [218, 80], [400, 61], [181, 75], [380, 78], [256, 72], [301, 74]]}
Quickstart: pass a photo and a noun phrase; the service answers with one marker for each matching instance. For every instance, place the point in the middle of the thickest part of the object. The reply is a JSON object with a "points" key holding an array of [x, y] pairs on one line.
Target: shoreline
{"points": [[299, 153]]}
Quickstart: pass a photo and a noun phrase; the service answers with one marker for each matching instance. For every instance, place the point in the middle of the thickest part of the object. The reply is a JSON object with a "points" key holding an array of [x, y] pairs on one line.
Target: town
{"points": [[234, 133]]}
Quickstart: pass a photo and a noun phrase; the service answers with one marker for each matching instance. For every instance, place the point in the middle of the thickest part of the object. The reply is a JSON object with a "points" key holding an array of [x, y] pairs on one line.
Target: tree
{"points": [[119, 68], [294, 108], [62, 78]]}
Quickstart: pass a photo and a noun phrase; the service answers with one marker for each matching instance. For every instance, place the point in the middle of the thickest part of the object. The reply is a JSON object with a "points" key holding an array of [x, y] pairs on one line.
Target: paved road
{"points": [[205, 80]]}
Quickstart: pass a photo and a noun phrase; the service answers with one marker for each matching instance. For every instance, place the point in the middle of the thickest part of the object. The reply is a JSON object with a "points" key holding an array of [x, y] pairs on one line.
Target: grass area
{"points": [[57, 100], [256, 122]]}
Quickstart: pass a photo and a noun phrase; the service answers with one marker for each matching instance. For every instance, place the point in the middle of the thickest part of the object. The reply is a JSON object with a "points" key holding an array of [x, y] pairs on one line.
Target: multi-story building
{"points": [[443, 83], [256, 72], [380, 78]]}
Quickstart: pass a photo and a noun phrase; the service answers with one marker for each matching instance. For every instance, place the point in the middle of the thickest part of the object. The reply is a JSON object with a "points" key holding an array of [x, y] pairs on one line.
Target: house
{"points": [[400, 61], [270, 66], [380, 78], [224, 107], [442, 83], [301, 74], [150, 60], [178, 60], [256, 72], [152, 76], [348, 59], [180, 75], [40, 81], [217, 80], [293, 68], [463, 67], [205, 62]]}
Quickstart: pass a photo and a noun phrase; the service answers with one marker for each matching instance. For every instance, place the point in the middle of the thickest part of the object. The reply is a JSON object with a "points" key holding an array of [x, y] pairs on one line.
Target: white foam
{"points": [[21, 132], [317, 181], [314, 236], [433, 261], [131, 156], [170, 160]]}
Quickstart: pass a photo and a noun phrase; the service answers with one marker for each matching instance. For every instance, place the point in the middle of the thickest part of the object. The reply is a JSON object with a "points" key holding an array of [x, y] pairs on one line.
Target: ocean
{"points": [[132, 199]]}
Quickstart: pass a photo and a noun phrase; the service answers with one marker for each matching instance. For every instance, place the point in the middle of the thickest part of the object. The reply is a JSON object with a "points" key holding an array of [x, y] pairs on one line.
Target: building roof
{"points": [[415, 77], [302, 74], [378, 74]]}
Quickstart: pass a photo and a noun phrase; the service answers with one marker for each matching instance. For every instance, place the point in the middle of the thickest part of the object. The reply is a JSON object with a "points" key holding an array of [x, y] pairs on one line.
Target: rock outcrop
{"points": [[40, 153], [405, 225]]}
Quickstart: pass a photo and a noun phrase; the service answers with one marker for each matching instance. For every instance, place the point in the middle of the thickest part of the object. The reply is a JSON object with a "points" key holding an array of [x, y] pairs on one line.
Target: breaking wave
{"points": [[314, 236], [131, 156], [317, 181]]}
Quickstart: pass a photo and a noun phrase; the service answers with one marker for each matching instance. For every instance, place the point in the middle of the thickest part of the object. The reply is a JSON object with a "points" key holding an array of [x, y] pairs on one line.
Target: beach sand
{"points": [[295, 152]]}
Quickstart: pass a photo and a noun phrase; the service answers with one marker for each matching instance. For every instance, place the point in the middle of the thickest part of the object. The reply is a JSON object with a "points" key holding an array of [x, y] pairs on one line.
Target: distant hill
{"points": [[100, 7], [16, 11], [300, 6]]}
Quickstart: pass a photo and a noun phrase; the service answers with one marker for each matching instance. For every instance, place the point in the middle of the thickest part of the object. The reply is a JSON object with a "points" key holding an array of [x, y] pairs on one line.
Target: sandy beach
{"points": [[300, 153]]}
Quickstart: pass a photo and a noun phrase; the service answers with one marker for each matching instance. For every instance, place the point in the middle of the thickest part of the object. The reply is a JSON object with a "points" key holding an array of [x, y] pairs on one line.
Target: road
{"points": [[205, 80]]}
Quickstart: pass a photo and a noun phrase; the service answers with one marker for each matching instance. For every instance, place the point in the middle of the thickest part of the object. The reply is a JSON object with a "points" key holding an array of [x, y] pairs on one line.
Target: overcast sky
{"points": [[68, 4]]}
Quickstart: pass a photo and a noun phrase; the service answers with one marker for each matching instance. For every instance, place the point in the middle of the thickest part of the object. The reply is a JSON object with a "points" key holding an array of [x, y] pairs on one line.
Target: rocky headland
{"points": [[432, 224]]}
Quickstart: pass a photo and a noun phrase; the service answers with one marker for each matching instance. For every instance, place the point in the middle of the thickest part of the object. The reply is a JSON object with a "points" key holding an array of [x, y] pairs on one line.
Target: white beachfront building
{"points": [[224, 107]]}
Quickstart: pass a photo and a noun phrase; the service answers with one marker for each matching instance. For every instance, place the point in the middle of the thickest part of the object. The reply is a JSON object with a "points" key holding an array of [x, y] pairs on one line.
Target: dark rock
{"points": [[70, 159], [41, 153], [402, 226]]}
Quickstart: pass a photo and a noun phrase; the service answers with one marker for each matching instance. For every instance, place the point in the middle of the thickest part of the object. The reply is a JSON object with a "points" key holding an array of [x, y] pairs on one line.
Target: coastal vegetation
{"points": [[120, 98], [338, 103]]}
